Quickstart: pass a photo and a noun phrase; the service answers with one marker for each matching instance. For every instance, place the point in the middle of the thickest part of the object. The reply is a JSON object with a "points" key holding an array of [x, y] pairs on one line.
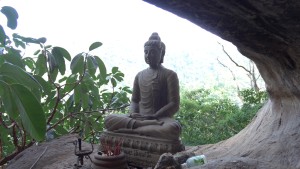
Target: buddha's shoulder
{"points": [[142, 72], [163, 70], [168, 72]]}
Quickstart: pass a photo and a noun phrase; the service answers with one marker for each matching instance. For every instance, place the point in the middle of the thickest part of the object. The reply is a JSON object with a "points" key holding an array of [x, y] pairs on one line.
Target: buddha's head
{"points": [[154, 50]]}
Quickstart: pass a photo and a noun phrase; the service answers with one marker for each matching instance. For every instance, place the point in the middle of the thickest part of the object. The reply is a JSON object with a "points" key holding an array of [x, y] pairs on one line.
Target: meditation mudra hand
{"points": [[154, 101]]}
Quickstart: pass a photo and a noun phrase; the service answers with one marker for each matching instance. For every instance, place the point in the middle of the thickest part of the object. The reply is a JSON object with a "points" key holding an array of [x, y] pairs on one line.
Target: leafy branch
{"points": [[38, 91], [73, 114]]}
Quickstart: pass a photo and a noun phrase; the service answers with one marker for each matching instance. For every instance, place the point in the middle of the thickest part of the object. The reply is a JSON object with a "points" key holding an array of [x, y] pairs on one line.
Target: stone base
{"points": [[142, 151]]}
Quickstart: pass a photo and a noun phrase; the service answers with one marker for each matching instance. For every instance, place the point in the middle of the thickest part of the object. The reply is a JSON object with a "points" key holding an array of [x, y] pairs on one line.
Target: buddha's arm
{"points": [[173, 97], [135, 98]]}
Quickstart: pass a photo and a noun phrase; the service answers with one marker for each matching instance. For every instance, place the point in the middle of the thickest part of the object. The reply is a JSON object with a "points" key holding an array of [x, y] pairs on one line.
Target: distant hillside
{"points": [[196, 65]]}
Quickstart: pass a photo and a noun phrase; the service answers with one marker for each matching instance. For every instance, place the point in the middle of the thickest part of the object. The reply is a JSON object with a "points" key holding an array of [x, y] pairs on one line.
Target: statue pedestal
{"points": [[142, 151]]}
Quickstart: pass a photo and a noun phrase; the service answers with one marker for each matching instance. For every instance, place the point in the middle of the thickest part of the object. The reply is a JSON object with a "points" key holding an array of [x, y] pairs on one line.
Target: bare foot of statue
{"points": [[141, 123]]}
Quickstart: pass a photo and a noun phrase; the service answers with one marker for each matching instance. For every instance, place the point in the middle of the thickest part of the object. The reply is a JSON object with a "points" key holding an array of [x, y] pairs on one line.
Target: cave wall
{"points": [[267, 32]]}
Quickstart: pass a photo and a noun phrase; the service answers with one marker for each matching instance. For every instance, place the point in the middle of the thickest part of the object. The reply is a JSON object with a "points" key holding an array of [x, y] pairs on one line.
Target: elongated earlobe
{"points": [[162, 56]]}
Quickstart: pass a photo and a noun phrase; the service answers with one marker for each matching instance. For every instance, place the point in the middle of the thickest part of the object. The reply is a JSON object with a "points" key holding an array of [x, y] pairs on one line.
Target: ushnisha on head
{"points": [[154, 50]]}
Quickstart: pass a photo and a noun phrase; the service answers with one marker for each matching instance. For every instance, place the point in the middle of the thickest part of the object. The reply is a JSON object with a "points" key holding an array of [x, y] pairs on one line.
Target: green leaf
{"points": [[70, 83], [42, 40], [19, 43], [29, 39], [119, 76], [69, 104], [87, 130], [113, 82], [85, 100], [31, 111], [61, 130], [48, 46], [77, 94], [15, 58], [101, 66], [50, 97], [81, 95], [11, 15], [89, 82], [114, 70], [77, 64], [84, 88], [21, 77], [21, 101], [45, 85], [2, 36], [58, 115], [29, 62], [95, 45], [72, 121], [63, 52], [37, 52], [2, 61], [96, 101], [53, 74], [8, 103], [127, 89], [59, 58], [91, 65], [4, 135], [52, 62], [41, 67], [62, 79]]}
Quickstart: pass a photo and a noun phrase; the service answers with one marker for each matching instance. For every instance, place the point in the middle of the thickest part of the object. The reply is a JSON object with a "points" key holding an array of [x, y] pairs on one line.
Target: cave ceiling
{"points": [[270, 28]]}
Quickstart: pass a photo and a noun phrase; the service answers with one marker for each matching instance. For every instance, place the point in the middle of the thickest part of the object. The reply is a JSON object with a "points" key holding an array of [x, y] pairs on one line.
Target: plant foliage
{"points": [[215, 118], [41, 97]]}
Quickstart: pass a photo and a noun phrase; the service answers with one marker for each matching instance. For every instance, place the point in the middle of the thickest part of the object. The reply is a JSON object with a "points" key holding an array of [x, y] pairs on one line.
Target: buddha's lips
{"points": [[147, 60]]}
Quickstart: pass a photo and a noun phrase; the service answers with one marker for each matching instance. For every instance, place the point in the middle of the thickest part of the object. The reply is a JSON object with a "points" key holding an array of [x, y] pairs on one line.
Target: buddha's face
{"points": [[152, 56]]}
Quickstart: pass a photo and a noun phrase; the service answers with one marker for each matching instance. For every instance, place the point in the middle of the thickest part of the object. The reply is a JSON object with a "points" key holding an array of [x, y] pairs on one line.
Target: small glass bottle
{"points": [[50, 134], [194, 161]]}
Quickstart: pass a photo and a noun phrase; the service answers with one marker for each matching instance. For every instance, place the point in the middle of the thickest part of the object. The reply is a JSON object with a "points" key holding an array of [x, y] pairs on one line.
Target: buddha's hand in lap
{"points": [[138, 116]]}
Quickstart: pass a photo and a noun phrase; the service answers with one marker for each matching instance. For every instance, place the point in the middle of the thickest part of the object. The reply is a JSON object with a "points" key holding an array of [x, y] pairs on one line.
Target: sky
{"points": [[123, 26], [66, 22]]}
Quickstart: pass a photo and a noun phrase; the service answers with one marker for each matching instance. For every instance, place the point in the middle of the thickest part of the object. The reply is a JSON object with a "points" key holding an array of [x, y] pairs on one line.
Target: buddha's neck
{"points": [[155, 68]]}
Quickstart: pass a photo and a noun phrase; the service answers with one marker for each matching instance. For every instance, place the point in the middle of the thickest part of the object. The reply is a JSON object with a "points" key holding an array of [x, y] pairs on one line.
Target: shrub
{"points": [[208, 119]]}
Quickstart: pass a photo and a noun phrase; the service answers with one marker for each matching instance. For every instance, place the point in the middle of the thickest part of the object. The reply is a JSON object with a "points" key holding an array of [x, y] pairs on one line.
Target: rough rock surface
{"points": [[268, 32], [167, 160], [55, 154]]}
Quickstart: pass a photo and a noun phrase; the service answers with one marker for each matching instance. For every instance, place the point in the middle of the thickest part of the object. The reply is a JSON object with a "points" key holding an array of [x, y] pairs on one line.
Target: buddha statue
{"points": [[154, 101]]}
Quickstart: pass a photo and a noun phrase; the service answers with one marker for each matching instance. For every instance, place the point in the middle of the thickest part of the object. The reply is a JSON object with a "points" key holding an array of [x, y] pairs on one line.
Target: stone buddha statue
{"points": [[155, 99]]}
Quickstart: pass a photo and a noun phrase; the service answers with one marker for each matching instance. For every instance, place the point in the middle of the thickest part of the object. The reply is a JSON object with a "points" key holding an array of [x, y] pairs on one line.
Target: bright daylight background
{"points": [[123, 26]]}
